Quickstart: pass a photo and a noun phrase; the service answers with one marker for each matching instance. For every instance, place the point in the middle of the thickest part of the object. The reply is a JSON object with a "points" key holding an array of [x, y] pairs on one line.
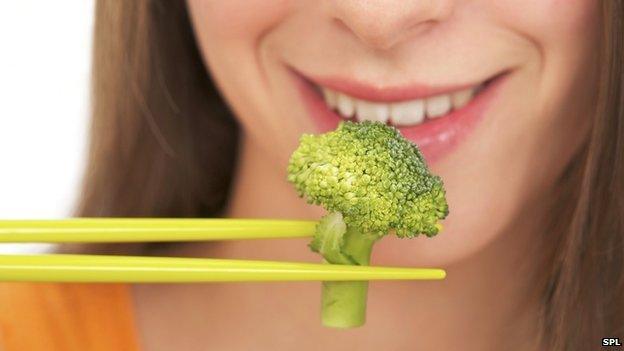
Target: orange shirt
{"points": [[66, 317]]}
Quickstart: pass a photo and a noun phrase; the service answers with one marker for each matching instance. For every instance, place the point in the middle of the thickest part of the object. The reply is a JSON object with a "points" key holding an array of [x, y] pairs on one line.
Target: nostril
{"points": [[373, 35], [384, 24], [341, 25], [421, 28]]}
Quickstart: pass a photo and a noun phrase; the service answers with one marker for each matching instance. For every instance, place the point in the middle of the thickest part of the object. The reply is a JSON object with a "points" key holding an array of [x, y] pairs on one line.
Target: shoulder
{"points": [[57, 316]]}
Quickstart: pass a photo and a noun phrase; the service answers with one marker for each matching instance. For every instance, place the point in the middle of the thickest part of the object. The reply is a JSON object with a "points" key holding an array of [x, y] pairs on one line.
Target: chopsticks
{"points": [[141, 269], [101, 230], [94, 268]]}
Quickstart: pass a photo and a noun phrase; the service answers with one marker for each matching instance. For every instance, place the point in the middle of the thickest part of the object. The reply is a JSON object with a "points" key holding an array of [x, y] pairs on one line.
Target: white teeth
{"points": [[370, 111], [402, 113], [437, 106], [330, 98], [461, 98], [408, 112], [346, 105]]}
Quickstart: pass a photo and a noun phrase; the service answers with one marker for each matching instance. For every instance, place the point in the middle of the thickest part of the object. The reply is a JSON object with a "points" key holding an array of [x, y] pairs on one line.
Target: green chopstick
{"points": [[92, 230], [136, 269]]}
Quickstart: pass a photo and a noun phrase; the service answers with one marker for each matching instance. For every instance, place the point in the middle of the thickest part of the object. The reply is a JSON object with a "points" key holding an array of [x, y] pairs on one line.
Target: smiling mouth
{"points": [[399, 113], [436, 119]]}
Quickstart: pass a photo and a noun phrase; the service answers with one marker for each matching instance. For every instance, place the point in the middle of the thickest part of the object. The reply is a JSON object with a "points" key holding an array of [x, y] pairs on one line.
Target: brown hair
{"points": [[583, 300], [162, 141], [164, 145]]}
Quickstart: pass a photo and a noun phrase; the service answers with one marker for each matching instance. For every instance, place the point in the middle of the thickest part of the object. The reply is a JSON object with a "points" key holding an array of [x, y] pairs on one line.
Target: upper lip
{"points": [[376, 93]]}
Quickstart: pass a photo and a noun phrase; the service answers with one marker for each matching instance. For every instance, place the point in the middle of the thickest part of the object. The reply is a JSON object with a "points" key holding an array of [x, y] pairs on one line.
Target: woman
{"points": [[516, 105]]}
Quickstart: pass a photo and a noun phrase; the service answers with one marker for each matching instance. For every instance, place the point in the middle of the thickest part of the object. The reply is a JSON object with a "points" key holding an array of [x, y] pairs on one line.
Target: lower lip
{"points": [[435, 138]]}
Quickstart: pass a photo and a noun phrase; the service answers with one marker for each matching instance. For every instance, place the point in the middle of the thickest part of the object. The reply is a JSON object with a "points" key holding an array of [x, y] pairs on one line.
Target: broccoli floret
{"points": [[372, 182]]}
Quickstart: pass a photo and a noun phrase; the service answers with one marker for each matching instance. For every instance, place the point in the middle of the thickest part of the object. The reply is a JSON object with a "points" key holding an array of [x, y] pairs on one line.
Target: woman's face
{"points": [[494, 92]]}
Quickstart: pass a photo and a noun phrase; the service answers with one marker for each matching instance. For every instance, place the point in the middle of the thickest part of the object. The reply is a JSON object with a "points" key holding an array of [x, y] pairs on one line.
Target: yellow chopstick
{"points": [[94, 268], [149, 229]]}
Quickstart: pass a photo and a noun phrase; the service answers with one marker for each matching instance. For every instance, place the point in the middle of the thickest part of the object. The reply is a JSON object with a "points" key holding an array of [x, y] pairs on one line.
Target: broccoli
{"points": [[372, 182]]}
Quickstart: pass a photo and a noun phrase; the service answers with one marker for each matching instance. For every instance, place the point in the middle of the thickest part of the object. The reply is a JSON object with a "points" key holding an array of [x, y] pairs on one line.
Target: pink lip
{"points": [[436, 138], [364, 91]]}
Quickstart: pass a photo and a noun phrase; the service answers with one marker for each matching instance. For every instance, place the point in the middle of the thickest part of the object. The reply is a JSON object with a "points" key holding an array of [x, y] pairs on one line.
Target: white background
{"points": [[44, 105]]}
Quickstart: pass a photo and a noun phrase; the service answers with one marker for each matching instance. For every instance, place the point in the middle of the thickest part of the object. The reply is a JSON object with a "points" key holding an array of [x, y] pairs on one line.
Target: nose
{"points": [[382, 24]]}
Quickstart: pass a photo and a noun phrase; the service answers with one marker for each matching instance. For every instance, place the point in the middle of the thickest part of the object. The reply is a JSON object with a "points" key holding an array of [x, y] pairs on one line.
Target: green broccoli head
{"points": [[373, 176]]}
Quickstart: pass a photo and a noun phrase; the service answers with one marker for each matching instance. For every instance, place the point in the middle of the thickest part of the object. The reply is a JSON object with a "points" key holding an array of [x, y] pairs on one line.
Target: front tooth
{"points": [[346, 105], [369, 111], [461, 98], [409, 112], [330, 98], [438, 105]]}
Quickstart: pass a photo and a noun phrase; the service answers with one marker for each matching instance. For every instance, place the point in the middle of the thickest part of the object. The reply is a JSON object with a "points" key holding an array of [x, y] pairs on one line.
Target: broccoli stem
{"points": [[344, 302]]}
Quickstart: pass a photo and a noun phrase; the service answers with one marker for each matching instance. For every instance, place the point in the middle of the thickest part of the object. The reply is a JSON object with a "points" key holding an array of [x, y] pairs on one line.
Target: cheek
{"points": [[230, 35], [545, 20], [235, 20], [498, 184]]}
